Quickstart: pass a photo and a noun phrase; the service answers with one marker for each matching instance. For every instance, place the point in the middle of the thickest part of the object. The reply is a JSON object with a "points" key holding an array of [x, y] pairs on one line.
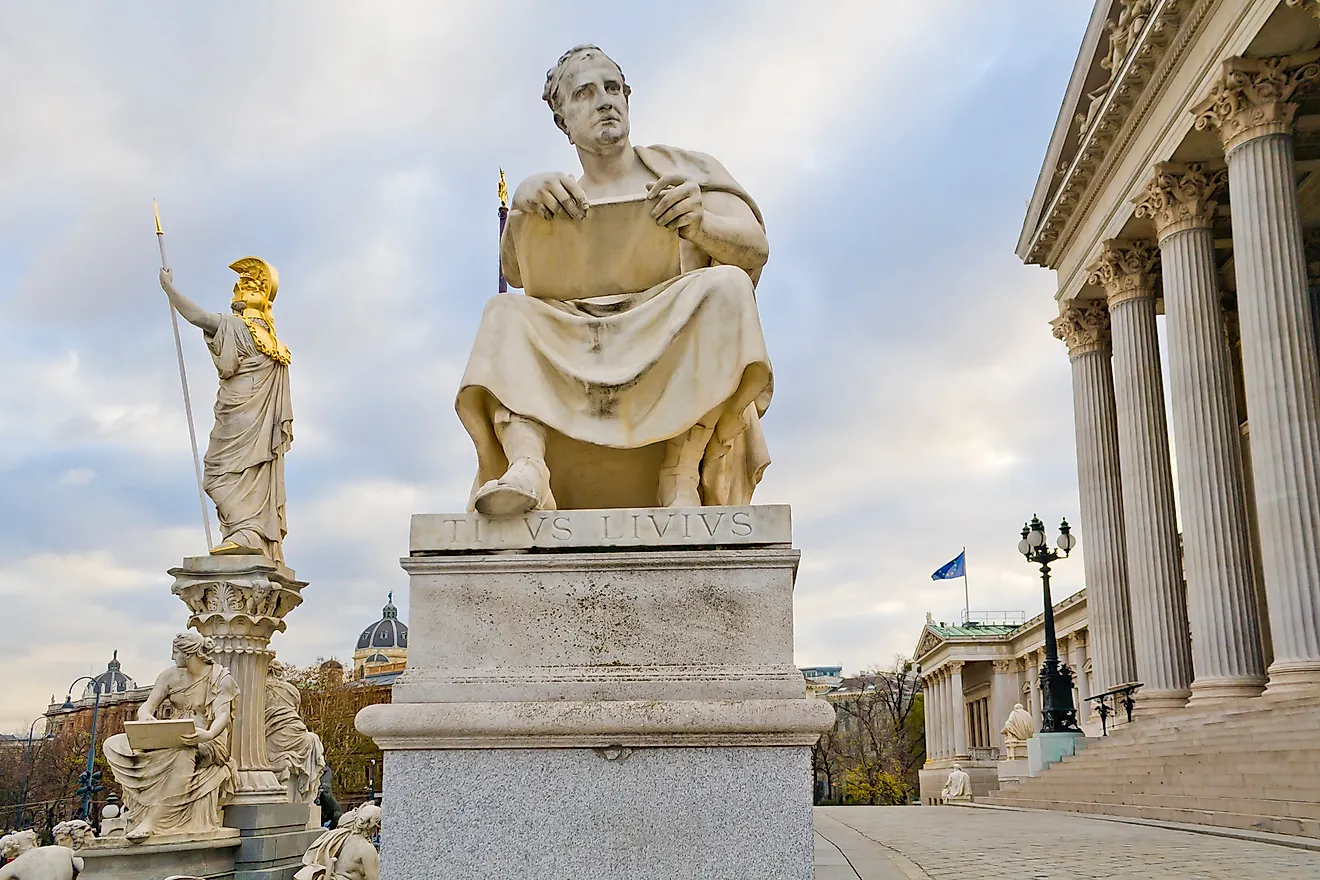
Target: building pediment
{"points": [[1126, 41]]}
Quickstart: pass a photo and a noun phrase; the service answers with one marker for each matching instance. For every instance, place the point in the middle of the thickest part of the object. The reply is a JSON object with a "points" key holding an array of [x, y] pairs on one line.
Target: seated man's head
{"points": [[589, 97]]}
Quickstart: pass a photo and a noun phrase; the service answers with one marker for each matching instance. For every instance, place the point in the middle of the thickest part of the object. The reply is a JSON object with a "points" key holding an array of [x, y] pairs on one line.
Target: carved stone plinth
{"points": [[621, 703], [240, 602]]}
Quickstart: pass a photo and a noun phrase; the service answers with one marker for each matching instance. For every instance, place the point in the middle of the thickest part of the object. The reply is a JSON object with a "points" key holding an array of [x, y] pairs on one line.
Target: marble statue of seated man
{"points": [[647, 388], [958, 787], [1019, 728]]}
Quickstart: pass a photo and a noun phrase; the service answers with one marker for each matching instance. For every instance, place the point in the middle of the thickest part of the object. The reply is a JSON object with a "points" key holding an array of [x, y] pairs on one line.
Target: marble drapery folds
{"points": [[295, 752], [633, 370], [180, 790], [244, 464]]}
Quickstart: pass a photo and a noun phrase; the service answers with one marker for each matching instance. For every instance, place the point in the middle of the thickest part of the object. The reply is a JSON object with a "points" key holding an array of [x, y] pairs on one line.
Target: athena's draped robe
{"points": [[181, 791], [244, 464], [630, 371]]}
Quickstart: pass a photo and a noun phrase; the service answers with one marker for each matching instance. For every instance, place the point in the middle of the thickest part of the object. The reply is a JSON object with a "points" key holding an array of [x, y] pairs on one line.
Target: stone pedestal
{"points": [[160, 858], [1045, 749], [1013, 768], [600, 693], [240, 602]]}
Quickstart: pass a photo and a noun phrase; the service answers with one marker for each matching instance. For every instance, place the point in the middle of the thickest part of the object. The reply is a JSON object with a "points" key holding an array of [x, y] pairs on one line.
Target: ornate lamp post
{"points": [[1058, 715], [89, 781]]}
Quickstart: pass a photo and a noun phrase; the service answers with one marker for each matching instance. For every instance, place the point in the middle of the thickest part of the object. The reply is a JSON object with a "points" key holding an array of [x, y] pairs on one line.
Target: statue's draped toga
{"points": [[635, 369], [244, 464]]}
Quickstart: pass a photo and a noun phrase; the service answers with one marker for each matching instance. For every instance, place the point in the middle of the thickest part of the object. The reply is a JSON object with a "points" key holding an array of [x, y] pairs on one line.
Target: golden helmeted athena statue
{"points": [[633, 372], [243, 470]]}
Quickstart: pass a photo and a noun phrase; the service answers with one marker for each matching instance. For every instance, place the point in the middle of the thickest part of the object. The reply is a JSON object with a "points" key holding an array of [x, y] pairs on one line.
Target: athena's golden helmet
{"points": [[262, 272]]}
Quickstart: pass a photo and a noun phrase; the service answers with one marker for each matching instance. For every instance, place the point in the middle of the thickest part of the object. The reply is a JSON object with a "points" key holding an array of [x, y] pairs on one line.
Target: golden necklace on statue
{"points": [[263, 336]]}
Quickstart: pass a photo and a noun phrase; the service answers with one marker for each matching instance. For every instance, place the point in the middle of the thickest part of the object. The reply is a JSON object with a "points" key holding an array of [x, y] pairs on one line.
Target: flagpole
{"points": [[967, 600], [183, 380]]}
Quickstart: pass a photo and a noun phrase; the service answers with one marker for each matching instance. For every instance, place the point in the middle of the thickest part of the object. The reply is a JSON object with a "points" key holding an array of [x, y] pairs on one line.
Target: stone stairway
{"points": [[1252, 766]]}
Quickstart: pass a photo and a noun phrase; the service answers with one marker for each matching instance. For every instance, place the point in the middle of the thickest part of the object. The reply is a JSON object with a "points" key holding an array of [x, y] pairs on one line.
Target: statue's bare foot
{"points": [[679, 488], [142, 832], [525, 486], [230, 548]]}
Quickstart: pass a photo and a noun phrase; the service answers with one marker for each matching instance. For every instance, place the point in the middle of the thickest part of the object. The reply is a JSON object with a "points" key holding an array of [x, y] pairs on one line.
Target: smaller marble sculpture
{"points": [[75, 834], [31, 862], [294, 751], [181, 790], [1019, 728], [16, 843], [346, 853], [958, 787]]}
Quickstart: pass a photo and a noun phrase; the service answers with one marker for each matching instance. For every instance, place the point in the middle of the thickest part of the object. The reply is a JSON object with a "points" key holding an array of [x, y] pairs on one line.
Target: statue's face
{"points": [[180, 658], [594, 109], [249, 293]]}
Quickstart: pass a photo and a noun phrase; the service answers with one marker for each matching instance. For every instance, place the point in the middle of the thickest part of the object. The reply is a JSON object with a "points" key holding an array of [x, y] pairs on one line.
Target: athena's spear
{"points": [[183, 380]]}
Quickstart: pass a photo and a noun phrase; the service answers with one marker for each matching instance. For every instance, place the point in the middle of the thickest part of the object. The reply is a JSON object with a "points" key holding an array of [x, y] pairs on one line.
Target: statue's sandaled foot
{"points": [[679, 488], [524, 487], [230, 548]]}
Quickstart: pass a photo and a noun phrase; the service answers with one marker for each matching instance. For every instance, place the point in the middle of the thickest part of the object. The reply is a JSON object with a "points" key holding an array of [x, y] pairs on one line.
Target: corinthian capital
{"points": [[1083, 325], [1253, 96], [1180, 197], [1125, 269]]}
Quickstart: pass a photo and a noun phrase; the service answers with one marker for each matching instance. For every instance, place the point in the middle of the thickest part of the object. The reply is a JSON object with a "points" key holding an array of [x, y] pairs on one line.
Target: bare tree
{"points": [[879, 733]]}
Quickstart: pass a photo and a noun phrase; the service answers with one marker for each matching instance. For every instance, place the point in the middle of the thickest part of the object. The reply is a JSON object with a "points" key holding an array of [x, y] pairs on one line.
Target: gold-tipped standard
{"points": [[504, 192]]}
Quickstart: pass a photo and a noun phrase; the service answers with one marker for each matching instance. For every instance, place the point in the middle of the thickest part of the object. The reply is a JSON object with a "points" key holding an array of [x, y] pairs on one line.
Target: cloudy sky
{"points": [[921, 404]]}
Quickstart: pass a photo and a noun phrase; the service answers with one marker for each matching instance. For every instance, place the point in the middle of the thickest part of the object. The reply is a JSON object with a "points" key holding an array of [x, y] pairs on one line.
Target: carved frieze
{"points": [[1253, 96], [1125, 269], [1181, 197], [1083, 325]]}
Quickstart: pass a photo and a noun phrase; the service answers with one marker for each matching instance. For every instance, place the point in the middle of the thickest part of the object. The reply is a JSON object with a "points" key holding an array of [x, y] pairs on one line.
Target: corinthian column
{"points": [[1084, 326], [1252, 111], [1126, 271], [928, 710], [959, 712], [1221, 601]]}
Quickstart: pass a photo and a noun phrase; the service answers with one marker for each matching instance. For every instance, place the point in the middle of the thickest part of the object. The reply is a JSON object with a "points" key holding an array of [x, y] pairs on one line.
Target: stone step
{"points": [[1259, 779], [1299, 743], [1293, 717], [1274, 824], [1305, 798], [1266, 756]]}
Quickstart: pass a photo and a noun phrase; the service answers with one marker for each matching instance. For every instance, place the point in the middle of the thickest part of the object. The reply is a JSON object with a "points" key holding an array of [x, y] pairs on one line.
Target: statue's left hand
{"points": [[677, 204], [197, 737]]}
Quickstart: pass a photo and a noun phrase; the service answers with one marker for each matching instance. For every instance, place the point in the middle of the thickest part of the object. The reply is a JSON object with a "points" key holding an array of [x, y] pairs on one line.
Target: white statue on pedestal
{"points": [[27, 861], [243, 471], [346, 853], [958, 787], [1019, 728], [294, 751], [181, 790], [638, 342]]}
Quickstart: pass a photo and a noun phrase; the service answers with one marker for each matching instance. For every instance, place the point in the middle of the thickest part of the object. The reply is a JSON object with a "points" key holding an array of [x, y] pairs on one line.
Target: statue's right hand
{"points": [[166, 280], [551, 194]]}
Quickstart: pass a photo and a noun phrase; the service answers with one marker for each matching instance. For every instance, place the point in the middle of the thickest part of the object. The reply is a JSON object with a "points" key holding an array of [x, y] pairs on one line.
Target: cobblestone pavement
{"points": [[917, 843]]}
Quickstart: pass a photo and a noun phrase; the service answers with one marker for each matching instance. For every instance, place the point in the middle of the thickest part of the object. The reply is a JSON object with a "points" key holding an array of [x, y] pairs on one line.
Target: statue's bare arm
{"points": [[209, 322], [159, 691], [719, 223]]}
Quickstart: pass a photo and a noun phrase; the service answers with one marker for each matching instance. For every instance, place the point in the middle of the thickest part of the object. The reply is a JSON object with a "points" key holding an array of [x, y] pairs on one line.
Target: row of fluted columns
{"points": [[1192, 627], [945, 710]]}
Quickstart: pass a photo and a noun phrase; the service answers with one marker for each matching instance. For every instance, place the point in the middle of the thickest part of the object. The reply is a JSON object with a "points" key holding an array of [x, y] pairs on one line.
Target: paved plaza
{"points": [[915, 843]]}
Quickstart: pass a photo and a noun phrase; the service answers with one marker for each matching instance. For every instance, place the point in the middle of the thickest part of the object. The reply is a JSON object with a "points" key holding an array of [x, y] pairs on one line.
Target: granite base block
{"points": [[598, 814], [1045, 749], [208, 860], [272, 839]]}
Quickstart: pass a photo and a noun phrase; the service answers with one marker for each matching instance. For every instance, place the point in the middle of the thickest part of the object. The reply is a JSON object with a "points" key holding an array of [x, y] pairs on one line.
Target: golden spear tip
{"points": [[504, 191], [156, 208]]}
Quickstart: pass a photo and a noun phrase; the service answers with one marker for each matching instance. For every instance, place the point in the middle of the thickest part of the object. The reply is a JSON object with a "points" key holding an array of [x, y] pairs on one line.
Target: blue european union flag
{"points": [[955, 568]]}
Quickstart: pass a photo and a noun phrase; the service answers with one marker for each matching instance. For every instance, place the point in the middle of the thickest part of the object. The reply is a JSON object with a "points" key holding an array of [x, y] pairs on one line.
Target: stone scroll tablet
{"points": [[636, 528], [145, 736], [617, 248]]}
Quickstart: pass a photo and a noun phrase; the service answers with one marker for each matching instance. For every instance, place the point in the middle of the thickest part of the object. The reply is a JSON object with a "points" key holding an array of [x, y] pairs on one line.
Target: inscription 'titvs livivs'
{"points": [[762, 524]]}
